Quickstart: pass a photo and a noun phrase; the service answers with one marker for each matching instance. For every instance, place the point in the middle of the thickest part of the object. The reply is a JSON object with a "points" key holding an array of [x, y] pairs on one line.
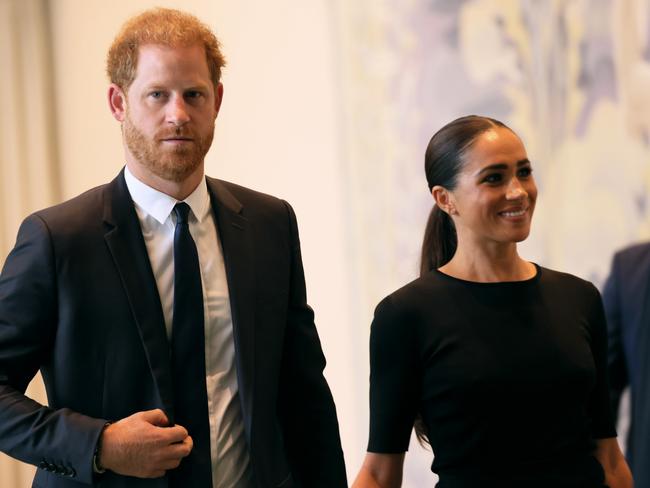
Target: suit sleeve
{"points": [[618, 376], [311, 430], [58, 440]]}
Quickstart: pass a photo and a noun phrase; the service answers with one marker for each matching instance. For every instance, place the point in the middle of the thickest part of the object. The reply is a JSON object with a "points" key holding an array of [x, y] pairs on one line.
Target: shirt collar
{"points": [[160, 205]]}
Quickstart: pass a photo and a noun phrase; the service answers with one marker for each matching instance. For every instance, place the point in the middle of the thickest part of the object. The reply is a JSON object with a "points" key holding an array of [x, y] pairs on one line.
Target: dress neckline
{"points": [[532, 279]]}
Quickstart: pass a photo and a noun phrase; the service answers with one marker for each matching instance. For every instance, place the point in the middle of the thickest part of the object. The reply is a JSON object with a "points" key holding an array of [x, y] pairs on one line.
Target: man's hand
{"points": [[141, 445]]}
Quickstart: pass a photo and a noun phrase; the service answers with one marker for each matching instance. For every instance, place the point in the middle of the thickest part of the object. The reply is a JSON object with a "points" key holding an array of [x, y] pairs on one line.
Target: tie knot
{"points": [[182, 211]]}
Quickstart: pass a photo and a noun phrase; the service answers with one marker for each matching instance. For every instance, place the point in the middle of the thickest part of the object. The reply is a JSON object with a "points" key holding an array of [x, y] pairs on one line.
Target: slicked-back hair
{"points": [[443, 162]]}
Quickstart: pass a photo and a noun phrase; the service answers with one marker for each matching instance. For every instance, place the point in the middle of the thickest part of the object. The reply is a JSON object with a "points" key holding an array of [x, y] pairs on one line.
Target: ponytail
{"points": [[438, 247], [439, 244]]}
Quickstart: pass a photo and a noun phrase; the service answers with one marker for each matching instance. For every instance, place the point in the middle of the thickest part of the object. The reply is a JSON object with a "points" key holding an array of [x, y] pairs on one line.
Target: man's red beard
{"points": [[171, 163]]}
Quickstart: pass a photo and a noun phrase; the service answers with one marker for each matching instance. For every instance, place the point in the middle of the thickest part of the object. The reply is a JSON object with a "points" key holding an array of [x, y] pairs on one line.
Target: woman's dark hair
{"points": [[443, 162]]}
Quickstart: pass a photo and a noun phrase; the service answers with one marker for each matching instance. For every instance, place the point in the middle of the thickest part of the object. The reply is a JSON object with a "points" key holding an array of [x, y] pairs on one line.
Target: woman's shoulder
{"points": [[561, 282], [407, 316], [421, 289], [414, 299]]}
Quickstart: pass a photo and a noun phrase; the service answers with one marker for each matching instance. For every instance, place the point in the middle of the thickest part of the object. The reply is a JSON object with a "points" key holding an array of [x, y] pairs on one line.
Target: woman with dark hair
{"points": [[499, 363]]}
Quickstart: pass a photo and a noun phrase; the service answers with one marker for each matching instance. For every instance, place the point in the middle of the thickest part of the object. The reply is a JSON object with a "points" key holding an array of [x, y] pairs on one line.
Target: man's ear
{"points": [[444, 199], [218, 97], [117, 102]]}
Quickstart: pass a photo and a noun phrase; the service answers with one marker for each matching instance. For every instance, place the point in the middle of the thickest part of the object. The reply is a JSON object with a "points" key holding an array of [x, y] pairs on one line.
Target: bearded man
{"points": [[166, 310]]}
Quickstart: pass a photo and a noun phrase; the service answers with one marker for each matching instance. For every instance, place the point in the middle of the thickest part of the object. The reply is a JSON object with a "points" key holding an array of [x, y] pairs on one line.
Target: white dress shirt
{"points": [[230, 459]]}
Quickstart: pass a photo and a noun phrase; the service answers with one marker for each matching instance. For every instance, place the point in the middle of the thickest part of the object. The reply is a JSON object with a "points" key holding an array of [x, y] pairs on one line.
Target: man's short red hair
{"points": [[163, 26]]}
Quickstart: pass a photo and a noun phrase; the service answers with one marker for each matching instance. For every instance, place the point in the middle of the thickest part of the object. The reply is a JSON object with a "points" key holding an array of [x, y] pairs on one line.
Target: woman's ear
{"points": [[444, 199]]}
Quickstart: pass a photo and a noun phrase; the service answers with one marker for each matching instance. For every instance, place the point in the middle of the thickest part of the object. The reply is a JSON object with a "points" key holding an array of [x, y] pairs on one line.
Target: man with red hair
{"points": [[166, 309]]}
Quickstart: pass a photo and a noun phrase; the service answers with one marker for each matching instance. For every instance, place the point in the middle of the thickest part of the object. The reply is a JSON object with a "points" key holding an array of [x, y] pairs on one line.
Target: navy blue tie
{"points": [[188, 358]]}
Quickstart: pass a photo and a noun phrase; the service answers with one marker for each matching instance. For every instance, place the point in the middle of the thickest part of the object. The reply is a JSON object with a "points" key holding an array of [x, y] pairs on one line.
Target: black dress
{"points": [[509, 379]]}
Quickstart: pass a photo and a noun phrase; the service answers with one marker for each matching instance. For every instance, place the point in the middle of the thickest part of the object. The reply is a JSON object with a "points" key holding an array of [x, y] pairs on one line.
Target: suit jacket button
{"points": [[42, 465], [50, 467], [72, 473]]}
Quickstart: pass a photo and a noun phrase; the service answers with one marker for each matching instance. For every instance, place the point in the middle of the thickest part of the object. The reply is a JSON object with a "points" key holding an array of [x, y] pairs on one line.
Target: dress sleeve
{"points": [[394, 380], [599, 408]]}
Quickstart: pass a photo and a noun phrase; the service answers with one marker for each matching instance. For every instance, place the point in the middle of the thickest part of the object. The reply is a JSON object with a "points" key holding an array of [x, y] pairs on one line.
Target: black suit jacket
{"points": [[78, 301], [627, 303]]}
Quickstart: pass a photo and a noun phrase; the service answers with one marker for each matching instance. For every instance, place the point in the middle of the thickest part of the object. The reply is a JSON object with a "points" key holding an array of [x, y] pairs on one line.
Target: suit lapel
{"points": [[238, 248], [127, 247]]}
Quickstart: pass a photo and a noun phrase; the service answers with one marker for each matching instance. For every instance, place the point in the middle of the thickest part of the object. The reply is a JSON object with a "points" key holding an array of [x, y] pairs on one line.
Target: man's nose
{"points": [[177, 111]]}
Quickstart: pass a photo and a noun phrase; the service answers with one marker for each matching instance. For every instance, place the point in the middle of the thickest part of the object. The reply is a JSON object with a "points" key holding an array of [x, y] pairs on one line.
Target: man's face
{"points": [[171, 107]]}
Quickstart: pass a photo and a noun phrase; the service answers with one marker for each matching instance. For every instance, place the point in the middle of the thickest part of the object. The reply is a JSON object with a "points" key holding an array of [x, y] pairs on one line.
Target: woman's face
{"points": [[495, 194]]}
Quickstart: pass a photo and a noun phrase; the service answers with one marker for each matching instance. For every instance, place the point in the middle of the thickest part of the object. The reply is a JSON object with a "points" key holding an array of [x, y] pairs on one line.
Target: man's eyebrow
{"points": [[161, 87], [196, 88]]}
